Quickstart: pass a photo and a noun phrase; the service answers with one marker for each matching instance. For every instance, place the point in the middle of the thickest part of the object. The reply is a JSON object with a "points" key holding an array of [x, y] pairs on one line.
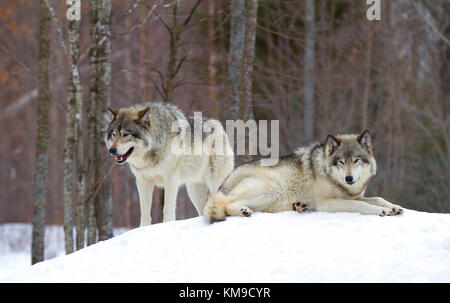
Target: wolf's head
{"points": [[350, 161], [127, 134]]}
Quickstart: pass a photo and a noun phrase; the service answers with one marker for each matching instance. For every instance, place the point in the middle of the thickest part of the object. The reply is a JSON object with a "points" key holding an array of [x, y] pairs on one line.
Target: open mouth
{"points": [[120, 159]]}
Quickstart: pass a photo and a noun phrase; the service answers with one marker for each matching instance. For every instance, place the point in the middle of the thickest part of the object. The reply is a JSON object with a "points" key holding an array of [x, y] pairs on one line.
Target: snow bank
{"points": [[15, 245], [282, 247]]}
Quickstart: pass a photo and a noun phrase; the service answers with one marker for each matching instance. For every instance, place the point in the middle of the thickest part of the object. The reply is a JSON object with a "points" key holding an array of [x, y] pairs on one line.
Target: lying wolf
{"points": [[330, 176], [143, 135]]}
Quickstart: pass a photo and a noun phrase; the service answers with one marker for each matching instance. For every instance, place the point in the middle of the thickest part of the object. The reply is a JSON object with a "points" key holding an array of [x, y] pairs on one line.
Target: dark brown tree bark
{"points": [[104, 206], [308, 111], [241, 58], [41, 159], [99, 191], [92, 174]]}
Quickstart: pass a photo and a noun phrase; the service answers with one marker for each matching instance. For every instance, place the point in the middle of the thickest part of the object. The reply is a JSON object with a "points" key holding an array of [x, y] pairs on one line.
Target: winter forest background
{"points": [[318, 67]]}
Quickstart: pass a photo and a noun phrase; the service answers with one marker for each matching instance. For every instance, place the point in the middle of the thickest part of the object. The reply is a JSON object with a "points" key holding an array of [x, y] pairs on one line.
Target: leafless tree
{"points": [[41, 159]]}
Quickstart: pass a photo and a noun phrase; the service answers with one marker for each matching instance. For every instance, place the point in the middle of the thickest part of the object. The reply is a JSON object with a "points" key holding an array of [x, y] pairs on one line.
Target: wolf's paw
{"points": [[397, 210], [386, 212], [300, 206], [246, 212]]}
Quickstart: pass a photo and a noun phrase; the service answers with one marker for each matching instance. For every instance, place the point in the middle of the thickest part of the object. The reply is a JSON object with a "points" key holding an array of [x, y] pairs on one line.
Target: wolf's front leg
{"points": [[341, 205], [145, 190], [383, 203], [170, 201]]}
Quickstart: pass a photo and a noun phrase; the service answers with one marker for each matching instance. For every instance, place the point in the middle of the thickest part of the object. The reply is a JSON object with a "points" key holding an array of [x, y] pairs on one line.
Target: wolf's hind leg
{"points": [[245, 207], [237, 210], [197, 193]]}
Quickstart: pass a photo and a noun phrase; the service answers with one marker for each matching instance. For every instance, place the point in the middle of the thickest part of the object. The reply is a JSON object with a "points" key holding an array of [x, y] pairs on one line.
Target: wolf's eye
{"points": [[125, 135], [341, 162], [356, 160]]}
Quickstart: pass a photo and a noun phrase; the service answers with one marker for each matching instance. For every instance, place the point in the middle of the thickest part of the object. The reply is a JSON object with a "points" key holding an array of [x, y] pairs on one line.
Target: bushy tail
{"points": [[215, 208]]}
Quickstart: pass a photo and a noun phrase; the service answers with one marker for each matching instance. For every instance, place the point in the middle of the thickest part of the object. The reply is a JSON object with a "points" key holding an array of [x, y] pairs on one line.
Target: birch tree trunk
{"points": [[77, 92], [69, 140], [73, 145], [41, 159], [308, 112], [99, 191]]}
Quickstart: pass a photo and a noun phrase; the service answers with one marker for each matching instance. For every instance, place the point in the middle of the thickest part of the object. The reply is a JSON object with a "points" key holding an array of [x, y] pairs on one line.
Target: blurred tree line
{"points": [[318, 67]]}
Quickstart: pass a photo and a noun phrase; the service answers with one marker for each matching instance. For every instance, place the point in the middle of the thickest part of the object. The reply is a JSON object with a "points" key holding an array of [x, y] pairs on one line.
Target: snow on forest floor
{"points": [[281, 247], [15, 245]]}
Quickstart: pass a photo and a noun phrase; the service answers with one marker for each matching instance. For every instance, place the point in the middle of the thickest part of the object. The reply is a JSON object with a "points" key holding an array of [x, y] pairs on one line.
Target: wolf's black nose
{"points": [[349, 179], [113, 151]]}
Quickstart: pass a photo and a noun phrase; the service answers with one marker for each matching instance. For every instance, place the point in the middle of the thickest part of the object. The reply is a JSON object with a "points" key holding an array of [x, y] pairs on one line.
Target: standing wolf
{"points": [[330, 176], [142, 135]]}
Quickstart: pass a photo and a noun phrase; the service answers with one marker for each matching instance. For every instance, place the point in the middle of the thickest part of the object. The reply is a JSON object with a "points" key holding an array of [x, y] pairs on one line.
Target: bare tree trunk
{"points": [[241, 59], [77, 94], [104, 207], [142, 56], [365, 98], [175, 34], [92, 176], [41, 160], [213, 106], [69, 139], [237, 43], [308, 112], [245, 106]]}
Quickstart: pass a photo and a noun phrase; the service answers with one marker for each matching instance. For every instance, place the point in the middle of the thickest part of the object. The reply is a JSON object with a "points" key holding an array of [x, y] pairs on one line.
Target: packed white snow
{"points": [[15, 245], [281, 247]]}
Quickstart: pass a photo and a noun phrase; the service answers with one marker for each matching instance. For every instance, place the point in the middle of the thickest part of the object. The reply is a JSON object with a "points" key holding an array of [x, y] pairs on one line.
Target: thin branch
{"points": [[57, 27], [129, 11], [179, 64], [430, 23], [139, 25], [189, 17]]}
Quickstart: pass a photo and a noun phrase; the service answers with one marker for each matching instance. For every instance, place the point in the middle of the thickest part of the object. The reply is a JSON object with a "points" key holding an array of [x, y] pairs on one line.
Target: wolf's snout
{"points": [[113, 151], [349, 179]]}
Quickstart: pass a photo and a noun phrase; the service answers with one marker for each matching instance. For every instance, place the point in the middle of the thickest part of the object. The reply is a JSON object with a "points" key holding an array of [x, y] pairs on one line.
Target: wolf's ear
{"points": [[365, 140], [113, 112], [332, 143], [143, 114]]}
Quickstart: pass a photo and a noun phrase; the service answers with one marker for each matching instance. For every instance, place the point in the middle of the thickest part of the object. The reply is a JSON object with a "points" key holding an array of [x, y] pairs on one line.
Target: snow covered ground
{"points": [[282, 247], [15, 245]]}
